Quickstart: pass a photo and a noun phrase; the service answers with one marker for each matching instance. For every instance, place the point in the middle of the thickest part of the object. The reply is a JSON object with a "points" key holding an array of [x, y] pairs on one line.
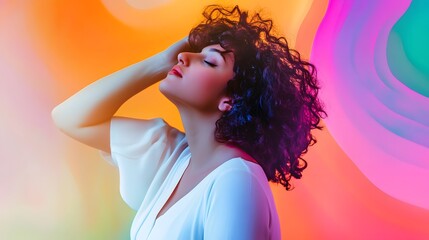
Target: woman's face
{"points": [[199, 79]]}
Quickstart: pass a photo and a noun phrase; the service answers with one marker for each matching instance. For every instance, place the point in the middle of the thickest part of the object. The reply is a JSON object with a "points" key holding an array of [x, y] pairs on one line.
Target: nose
{"points": [[183, 58]]}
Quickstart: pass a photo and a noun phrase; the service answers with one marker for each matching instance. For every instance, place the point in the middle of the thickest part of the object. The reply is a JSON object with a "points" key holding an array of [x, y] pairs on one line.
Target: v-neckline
{"points": [[192, 190]]}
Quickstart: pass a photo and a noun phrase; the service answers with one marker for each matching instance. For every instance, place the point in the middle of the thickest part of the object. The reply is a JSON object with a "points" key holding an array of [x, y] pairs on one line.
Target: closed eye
{"points": [[210, 64]]}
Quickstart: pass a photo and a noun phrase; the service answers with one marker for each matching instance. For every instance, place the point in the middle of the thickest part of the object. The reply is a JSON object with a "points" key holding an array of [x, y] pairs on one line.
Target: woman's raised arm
{"points": [[86, 115]]}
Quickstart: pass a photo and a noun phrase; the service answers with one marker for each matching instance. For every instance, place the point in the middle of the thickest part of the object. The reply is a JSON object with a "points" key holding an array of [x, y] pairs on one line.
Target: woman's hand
{"points": [[170, 54]]}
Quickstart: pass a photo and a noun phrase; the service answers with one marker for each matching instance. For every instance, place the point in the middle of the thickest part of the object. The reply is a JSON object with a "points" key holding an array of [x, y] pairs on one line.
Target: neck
{"points": [[206, 151]]}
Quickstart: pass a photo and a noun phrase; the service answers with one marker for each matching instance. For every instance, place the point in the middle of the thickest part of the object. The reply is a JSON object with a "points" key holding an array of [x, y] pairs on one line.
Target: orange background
{"points": [[55, 188]]}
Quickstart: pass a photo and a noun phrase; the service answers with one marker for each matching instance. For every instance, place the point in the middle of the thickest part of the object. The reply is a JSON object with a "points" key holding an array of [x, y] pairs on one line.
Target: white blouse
{"points": [[234, 201]]}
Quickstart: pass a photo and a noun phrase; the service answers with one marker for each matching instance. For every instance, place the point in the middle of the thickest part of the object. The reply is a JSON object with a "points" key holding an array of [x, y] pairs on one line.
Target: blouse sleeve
{"points": [[142, 150], [238, 209]]}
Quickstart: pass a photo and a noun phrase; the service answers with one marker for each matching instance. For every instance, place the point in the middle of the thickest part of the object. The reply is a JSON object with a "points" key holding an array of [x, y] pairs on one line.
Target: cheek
{"points": [[202, 91], [207, 89]]}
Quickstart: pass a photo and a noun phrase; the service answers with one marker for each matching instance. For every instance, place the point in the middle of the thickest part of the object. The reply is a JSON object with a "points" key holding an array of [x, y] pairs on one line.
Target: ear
{"points": [[225, 104]]}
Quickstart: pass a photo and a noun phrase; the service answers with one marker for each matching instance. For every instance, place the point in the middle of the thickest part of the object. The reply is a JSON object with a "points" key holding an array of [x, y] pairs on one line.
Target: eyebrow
{"points": [[220, 52]]}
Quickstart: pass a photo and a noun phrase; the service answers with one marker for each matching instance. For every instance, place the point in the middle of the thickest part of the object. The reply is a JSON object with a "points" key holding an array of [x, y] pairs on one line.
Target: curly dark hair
{"points": [[274, 92]]}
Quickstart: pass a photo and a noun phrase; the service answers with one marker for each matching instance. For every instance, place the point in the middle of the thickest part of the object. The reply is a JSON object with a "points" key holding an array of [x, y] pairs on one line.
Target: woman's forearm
{"points": [[98, 101]]}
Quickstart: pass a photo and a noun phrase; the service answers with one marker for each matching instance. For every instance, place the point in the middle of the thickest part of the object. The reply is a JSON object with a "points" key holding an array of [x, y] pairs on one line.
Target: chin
{"points": [[180, 98], [165, 89]]}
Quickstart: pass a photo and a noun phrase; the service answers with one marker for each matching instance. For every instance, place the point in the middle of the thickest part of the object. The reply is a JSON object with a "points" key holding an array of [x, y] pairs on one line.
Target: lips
{"points": [[175, 71]]}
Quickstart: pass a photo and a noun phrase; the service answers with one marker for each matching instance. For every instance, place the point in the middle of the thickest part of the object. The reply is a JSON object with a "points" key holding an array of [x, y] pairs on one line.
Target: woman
{"points": [[247, 103]]}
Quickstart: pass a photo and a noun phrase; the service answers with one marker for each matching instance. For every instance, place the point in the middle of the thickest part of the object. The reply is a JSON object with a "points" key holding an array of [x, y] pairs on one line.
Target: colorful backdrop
{"points": [[368, 174]]}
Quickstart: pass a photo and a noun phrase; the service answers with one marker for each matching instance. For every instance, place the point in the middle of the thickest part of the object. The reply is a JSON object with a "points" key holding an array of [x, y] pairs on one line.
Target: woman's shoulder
{"points": [[240, 173], [243, 167], [131, 137], [241, 189]]}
